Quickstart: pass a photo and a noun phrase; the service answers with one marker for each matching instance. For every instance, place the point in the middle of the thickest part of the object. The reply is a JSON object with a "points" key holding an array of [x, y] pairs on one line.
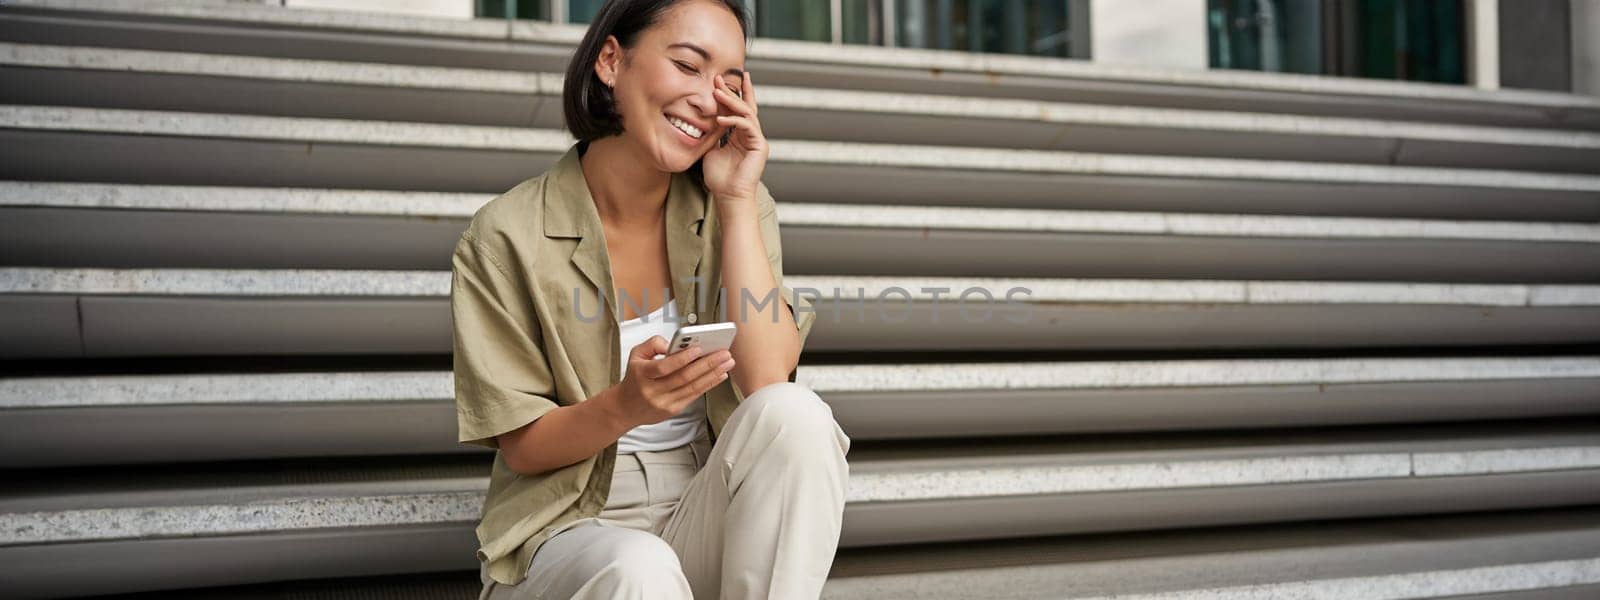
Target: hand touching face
{"points": [[733, 171], [665, 86]]}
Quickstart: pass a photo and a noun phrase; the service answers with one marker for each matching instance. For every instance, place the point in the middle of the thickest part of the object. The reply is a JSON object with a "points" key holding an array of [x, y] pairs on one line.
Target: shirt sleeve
{"points": [[801, 307], [502, 379]]}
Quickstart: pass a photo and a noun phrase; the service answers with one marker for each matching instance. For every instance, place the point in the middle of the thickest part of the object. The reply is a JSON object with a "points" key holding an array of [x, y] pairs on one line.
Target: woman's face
{"points": [[668, 76]]}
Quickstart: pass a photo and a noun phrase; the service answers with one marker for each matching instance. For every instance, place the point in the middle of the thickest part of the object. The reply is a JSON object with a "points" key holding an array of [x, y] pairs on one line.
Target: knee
{"points": [[642, 561], [797, 418], [792, 404]]}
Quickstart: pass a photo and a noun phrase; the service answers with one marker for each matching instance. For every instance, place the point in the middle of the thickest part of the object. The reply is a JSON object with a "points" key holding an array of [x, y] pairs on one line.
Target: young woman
{"points": [[619, 474]]}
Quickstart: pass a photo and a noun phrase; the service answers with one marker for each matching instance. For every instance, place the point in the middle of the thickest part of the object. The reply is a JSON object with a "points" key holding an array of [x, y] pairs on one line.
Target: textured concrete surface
{"points": [[275, 69], [388, 133], [1400, 586], [1182, 373], [550, 84], [226, 282], [931, 483], [1206, 291], [1168, 223], [461, 206], [230, 519], [1484, 462], [260, 14], [266, 388], [167, 513], [248, 127], [317, 282], [277, 200], [1080, 163], [272, 388]]}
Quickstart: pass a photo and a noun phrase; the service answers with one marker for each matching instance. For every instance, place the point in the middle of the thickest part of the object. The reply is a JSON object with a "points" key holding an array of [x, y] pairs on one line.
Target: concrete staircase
{"points": [[1287, 336]]}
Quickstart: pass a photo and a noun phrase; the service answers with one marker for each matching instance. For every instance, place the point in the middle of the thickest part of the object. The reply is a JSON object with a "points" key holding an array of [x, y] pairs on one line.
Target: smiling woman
{"points": [[622, 471]]}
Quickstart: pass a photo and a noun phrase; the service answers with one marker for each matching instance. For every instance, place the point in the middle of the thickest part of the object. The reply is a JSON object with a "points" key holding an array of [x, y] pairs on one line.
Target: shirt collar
{"points": [[570, 212]]}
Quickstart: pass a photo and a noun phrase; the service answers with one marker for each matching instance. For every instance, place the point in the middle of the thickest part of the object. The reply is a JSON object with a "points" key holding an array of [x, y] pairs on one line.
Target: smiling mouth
{"points": [[686, 128]]}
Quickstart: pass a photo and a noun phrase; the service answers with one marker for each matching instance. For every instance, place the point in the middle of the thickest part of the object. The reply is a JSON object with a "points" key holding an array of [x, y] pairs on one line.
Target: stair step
{"points": [[420, 510], [132, 226], [101, 78], [118, 419], [130, 146], [169, 312], [1493, 556], [1548, 555]]}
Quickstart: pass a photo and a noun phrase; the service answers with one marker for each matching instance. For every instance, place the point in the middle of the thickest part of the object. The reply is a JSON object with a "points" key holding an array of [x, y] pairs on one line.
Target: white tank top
{"points": [[676, 430]]}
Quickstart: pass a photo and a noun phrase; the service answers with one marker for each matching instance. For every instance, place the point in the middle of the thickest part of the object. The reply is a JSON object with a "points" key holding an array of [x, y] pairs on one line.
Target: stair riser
{"points": [[33, 155], [992, 518], [233, 559], [157, 91], [51, 571], [106, 238], [47, 326], [176, 432]]}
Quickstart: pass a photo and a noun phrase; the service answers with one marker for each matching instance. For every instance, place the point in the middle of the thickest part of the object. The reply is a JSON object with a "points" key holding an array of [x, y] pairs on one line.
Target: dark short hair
{"points": [[589, 108]]}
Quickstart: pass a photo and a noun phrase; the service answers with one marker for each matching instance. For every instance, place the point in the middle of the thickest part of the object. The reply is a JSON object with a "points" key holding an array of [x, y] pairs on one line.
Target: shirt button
{"points": [[693, 317]]}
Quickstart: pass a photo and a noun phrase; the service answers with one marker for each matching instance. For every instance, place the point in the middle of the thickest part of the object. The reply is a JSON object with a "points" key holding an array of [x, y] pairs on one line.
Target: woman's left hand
{"points": [[733, 171]]}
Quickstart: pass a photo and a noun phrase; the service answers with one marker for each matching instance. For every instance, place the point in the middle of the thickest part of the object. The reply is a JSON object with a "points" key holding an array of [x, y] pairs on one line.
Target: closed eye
{"points": [[688, 68]]}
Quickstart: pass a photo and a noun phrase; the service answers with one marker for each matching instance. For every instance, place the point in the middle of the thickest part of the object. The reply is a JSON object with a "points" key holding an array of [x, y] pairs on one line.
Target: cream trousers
{"points": [[757, 516]]}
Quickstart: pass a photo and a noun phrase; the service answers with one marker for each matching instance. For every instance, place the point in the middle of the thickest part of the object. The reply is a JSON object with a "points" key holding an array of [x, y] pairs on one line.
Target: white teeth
{"points": [[693, 131]]}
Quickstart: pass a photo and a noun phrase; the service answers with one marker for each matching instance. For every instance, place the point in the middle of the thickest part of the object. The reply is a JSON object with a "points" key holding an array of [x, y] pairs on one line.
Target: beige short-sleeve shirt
{"points": [[531, 333]]}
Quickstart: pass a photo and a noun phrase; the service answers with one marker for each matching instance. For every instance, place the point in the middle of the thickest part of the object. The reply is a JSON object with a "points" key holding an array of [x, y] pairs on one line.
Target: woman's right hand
{"points": [[654, 390]]}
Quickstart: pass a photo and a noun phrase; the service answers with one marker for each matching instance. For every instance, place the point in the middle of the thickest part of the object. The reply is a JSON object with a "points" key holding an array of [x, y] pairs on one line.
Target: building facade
{"points": [[1528, 44]]}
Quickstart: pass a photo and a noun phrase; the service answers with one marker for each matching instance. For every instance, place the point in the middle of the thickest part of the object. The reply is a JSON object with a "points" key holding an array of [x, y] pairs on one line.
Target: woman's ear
{"points": [[605, 65]]}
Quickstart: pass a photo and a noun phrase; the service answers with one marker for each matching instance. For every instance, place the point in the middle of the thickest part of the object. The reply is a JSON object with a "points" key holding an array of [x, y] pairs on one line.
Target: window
{"points": [[1417, 40], [1283, 36], [1035, 27], [513, 9], [582, 11], [794, 19]]}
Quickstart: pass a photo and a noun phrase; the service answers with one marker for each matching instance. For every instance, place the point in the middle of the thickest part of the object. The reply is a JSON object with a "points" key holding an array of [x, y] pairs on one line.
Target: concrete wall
{"points": [[1162, 33], [1586, 47], [1483, 43], [1535, 45], [460, 9]]}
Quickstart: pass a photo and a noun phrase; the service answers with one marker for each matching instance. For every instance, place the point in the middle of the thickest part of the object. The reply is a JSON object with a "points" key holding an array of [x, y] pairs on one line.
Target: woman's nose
{"points": [[704, 100]]}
